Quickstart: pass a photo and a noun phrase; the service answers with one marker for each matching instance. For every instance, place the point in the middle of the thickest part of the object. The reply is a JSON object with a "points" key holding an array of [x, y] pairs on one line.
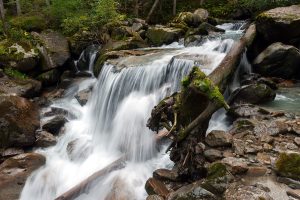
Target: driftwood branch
{"points": [[83, 186]]}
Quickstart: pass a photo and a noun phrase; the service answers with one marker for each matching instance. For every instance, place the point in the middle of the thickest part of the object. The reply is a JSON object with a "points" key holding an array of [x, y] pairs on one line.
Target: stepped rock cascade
{"points": [[113, 123]]}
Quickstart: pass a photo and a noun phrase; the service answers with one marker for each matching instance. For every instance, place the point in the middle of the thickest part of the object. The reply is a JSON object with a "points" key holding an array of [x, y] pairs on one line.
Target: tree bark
{"points": [[18, 5], [152, 10], [2, 14], [174, 7], [80, 188]]}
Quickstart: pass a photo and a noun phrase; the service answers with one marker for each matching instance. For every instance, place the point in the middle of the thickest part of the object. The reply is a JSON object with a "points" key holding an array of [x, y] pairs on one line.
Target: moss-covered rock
{"points": [[160, 35], [288, 165], [279, 24], [218, 179], [49, 78], [22, 56]]}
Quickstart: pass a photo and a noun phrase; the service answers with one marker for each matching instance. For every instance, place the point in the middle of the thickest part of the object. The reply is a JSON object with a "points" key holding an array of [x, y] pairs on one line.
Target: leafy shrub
{"points": [[29, 23]]}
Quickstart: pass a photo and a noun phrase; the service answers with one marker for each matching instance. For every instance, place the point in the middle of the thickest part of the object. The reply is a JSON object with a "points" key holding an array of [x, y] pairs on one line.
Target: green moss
{"points": [[288, 165], [29, 23], [216, 170], [15, 73]]}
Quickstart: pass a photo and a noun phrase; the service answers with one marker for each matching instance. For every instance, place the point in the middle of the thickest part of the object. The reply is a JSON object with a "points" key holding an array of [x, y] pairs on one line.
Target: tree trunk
{"points": [[174, 7], [48, 2], [18, 5], [2, 13], [152, 10], [80, 188], [136, 8]]}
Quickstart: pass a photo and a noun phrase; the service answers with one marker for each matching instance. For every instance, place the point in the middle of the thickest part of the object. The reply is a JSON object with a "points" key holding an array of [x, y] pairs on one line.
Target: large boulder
{"points": [[242, 192], [24, 87], [19, 119], [14, 172], [253, 93], [20, 56], [54, 124], [279, 60], [279, 24], [160, 35], [49, 78], [192, 19], [54, 49]]}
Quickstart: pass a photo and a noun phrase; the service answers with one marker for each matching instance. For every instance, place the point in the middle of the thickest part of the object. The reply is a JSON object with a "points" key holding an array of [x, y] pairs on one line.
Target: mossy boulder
{"points": [[218, 179], [49, 78], [29, 23], [160, 35], [279, 60], [54, 49], [279, 24], [288, 165], [19, 119], [192, 19], [22, 56]]}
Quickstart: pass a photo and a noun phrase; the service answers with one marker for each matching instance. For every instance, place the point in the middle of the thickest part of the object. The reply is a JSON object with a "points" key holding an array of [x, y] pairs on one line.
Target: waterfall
{"points": [[113, 123]]}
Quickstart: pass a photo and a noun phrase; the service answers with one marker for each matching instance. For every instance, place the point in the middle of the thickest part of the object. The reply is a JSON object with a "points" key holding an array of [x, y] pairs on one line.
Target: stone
{"points": [[19, 119], [24, 87], [119, 190], [289, 182], [79, 149], [278, 60], [297, 140], [202, 14], [154, 186], [246, 111], [192, 191], [54, 124], [166, 175], [49, 78], [54, 49], [236, 165], [287, 165], [253, 93], [83, 63], [218, 138], [83, 96], [264, 158], [213, 155], [240, 192], [257, 171], [154, 197], [22, 57], [189, 19], [160, 35], [276, 24], [44, 139], [14, 173], [218, 179]]}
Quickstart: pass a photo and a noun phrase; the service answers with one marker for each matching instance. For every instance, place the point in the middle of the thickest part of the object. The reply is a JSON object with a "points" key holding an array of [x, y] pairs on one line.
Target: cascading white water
{"points": [[113, 123]]}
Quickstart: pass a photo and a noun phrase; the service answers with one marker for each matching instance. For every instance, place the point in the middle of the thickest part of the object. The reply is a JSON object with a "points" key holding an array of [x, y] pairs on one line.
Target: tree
{"points": [[18, 5], [174, 6], [152, 10], [48, 2], [2, 13]]}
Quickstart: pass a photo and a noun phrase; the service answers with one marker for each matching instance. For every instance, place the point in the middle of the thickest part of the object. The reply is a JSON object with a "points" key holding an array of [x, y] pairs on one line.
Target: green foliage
{"points": [[29, 23], [288, 165], [14, 73], [106, 11]]}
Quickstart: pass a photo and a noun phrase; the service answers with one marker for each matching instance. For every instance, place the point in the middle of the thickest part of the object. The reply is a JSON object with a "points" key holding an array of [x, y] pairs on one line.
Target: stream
{"points": [[113, 122]]}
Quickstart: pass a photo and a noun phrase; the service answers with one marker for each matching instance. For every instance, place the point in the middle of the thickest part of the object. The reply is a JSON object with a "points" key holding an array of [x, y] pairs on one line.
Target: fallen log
{"points": [[221, 77], [83, 186]]}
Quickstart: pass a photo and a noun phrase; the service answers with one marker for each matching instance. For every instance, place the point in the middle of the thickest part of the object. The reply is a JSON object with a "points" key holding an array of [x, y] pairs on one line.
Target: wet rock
{"points": [[10, 152], [160, 35], [276, 24], [247, 111], [264, 158], [166, 175], [156, 187], [213, 154], [49, 78], [14, 172], [83, 96], [297, 140], [193, 40], [44, 139], [241, 192], [154, 197], [193, 191], [218, 138], [119, 191], [257, 171], [84, 59], [79, 149], [294, 193], [279, 60], [235, 165], [55, 124], [218, 179], [202, 14], [253, 93], [54, 50], [287, 165], [189, 19], [19, 119], [26, 87]]}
